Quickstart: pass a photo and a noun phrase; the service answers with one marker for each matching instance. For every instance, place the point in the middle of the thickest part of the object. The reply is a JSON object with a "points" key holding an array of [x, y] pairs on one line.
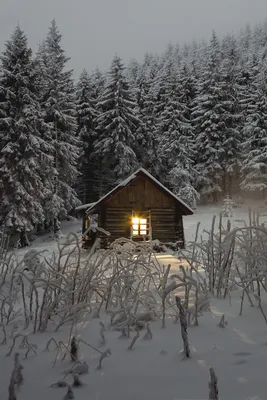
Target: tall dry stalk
{"points": [[183, 322]]}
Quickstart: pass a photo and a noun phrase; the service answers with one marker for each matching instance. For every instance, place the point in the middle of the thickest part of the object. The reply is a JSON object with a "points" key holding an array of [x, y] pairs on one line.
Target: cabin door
{"points": [[141, 228]]}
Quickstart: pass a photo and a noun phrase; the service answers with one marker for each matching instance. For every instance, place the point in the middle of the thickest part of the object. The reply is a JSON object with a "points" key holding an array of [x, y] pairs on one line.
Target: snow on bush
{"points": [[126, 281], [232, 259], [127, 286]]}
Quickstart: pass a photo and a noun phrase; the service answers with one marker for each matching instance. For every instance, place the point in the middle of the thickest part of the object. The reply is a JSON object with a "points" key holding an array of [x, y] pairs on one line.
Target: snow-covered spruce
{"points": [[86, 102], [25, 155], [59, 109], [216, 116], [116, 126]]}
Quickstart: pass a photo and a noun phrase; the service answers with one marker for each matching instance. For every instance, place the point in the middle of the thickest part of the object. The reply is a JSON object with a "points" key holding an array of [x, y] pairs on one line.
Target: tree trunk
{"points": [[24, 239], [56, 227]]}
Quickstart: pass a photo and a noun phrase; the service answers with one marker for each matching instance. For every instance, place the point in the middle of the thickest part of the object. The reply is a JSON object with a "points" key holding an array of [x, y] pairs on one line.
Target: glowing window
{"points": [[139, 226]]}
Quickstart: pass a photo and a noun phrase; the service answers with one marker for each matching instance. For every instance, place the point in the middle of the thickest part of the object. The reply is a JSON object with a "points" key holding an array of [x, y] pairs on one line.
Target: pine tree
{"points": [[175, 146], [116, 126], [209, 126], [98, 82], [182, 176], [254, 170], [231, 115], [97, 87], [25, 161], [86, 116], [146, 146], [60, 112]]}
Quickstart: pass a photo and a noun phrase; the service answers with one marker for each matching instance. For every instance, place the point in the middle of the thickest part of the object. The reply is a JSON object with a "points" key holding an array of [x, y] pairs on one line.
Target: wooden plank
{"points": [[162, 221], [160, 211], [141, 193]]}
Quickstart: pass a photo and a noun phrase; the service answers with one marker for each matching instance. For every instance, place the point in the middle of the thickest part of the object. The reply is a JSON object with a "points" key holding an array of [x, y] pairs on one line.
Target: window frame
{"points": [[139, 227]]}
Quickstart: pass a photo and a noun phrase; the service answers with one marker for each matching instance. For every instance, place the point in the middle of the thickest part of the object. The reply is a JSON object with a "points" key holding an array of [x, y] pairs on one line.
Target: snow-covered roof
{"points": [[84, 206], [129, 179]]}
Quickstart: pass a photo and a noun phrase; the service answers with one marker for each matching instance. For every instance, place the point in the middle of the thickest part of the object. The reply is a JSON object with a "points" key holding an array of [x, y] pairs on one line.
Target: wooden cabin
{"points": [[139, 208]]}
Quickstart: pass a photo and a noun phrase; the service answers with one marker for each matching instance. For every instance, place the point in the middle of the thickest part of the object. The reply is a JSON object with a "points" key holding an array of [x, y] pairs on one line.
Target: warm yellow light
{"points": [[143, 232], [143, 221], [135, 227], [135, 220], [135, 233], [143, 227]]}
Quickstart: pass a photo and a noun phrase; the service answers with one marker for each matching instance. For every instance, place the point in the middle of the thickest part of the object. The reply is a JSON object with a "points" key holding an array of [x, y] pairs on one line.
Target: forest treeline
{"points": [[195, 117]]}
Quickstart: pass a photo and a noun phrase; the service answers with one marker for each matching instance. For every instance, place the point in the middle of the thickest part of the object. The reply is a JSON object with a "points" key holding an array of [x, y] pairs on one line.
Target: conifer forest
{"points": [[195, 117]]}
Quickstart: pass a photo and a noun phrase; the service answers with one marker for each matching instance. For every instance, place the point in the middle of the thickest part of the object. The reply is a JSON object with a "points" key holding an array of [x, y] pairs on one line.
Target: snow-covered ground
{"points": [[203, 214], [154, 369]]}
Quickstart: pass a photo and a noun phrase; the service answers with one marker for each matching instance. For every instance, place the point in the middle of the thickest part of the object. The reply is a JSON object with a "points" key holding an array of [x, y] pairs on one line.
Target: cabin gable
{"points": [[141, 194]]}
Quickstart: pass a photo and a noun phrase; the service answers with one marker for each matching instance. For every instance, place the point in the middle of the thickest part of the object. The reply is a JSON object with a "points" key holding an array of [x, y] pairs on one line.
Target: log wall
{"points": [[141, 195], [167, 224]]}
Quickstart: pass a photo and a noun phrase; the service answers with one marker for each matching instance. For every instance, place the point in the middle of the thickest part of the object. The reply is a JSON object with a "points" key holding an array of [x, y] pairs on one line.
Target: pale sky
{"points": [[95, 30]]}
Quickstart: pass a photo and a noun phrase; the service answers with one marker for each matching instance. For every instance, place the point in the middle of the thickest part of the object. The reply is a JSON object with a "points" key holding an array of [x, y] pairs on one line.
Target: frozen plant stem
{"points": [[222, 322], [196, 307], [49, 342], [134, 338], [102, 330], [103, 355], [4, 332], [148, 335], [183, 322], [213, 386], [89, 345], [13, 344], [73, 349], [16, 379]]}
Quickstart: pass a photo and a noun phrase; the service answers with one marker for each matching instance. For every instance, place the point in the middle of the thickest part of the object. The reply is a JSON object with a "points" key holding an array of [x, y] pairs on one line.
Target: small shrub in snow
{"points": [[228, 207]]}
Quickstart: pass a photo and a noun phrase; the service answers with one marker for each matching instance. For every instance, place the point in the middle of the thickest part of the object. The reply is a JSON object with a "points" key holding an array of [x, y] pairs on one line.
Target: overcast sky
{"points": [[94, 30]]}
